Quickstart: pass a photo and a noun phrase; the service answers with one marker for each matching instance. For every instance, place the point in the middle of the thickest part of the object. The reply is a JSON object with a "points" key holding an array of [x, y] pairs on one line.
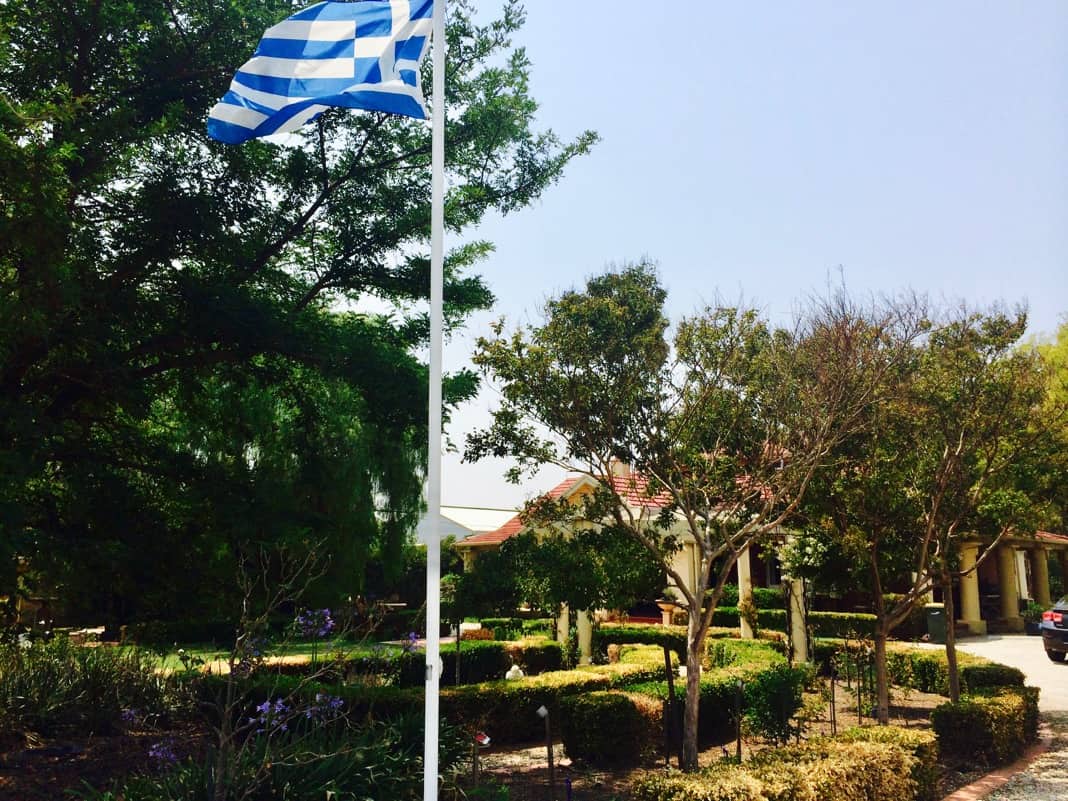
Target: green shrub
{"points": [[772, 700], [991, 729], [482, 660], [165, 634], [55, 683], [763, 597], [377, 760], [610, 728], [540, 627], [674, 637], [923, 745], [822, 624], [504, 628], [927, 670], [740, 660], [820, 770], [536, 655], [506, 709]]}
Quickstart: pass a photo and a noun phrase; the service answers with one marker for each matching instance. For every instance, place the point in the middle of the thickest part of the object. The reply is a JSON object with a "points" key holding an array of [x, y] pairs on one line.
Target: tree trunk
{"points": [[951, 638], [882, 676], [693, 692]]}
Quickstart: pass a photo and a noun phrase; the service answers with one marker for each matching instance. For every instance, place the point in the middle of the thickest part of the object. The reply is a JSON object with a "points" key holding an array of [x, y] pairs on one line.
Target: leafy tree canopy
{"points": [[184, 368]]}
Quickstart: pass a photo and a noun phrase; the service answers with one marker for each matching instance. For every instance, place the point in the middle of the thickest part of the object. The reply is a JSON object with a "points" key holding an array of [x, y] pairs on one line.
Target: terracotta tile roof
{"points": [[515, 525], [634, 489], [1049, 536]]}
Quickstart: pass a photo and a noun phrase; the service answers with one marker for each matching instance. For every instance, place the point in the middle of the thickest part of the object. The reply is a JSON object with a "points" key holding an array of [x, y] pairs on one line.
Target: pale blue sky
{"points": [[753, 148]]}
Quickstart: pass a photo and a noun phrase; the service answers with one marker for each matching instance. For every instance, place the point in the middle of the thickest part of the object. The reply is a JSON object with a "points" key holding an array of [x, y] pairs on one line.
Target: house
{"points": [[462, 522], [990, 597], [643, 504]]}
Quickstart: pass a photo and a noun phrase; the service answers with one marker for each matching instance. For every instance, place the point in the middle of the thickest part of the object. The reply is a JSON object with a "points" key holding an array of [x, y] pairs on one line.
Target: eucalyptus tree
{"points": [[724, 425], [186, 324]]}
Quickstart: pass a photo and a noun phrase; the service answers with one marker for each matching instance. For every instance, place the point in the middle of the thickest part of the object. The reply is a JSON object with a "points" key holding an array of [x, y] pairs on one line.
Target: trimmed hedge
{"points": [[927, 670], [164, 634], [993, 729], [480, 660], [826, 770], [610, 728], [485, 660], [732, 660], [516, 628], [923, 745], [505, 709], [822, 624], [763, 597], [674, 637]]}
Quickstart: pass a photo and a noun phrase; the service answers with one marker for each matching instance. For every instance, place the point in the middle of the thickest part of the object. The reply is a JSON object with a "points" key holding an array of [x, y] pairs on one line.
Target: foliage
{"points": [[763, 597], [377, 760], [183, 370], [54, 684], [729, 662], [991, 729], [673, 637], [928, 671], [922, 744], [773, 698], [827, 770], [610, 728], [712, 437]]}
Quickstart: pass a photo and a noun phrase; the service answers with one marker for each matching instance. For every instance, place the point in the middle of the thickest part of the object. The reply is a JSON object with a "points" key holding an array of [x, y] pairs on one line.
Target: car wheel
{"points": [[1055, 656]]}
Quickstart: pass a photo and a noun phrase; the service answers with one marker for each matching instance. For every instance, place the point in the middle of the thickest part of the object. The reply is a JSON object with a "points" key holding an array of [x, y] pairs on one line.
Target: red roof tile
{"points": [[1049, 536], [634, 490]]}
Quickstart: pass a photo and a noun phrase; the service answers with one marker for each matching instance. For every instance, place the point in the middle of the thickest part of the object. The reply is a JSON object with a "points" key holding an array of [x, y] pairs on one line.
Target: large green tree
{"points": [[723, 426], [954, 447], [184, 368]]}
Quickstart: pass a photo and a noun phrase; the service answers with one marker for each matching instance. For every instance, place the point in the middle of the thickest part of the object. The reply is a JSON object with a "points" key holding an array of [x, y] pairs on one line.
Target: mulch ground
{"points": [[39, 768]]}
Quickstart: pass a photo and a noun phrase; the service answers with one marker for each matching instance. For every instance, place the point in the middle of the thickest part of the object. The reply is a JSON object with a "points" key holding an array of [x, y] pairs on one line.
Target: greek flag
{"points": [[357, 55]]}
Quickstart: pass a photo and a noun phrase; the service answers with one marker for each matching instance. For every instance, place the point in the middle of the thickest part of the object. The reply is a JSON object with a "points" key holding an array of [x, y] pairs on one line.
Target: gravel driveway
{"points": [[1046, 779]]}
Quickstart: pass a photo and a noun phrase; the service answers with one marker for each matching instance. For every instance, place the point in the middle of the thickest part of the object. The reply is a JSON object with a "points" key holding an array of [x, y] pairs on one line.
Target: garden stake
{"points": [[860, 710], [834, 712], [738, 719], [544, 713], [669, 718]]}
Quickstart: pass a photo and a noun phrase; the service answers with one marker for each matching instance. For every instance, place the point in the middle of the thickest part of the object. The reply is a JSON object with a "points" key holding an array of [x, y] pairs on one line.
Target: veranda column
{"points": [[1010, 596], [1040, 572], [585, 636], [745, 591], [969, 589], [563, 625]]}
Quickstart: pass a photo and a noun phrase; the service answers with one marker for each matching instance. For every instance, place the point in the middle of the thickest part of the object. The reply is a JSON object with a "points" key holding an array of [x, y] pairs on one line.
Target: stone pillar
{"points": [[798, 631], [563, 625], [745, 590], [1010, 597], [1040, 573], [585, 637], [969, 589]]}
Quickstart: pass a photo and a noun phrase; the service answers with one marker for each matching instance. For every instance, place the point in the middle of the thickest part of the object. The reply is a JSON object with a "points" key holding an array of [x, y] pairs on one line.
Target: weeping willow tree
{"points": [[188, 363]]}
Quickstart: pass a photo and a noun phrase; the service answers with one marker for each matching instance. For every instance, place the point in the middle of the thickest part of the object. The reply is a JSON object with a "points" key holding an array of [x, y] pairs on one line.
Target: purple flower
{"points": [[314, 623], [129, 715], [163, 751]]}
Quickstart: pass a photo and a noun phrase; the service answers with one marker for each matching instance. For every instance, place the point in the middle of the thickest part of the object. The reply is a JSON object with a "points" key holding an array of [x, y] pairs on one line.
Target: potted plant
{"points": [[1032, 616]]}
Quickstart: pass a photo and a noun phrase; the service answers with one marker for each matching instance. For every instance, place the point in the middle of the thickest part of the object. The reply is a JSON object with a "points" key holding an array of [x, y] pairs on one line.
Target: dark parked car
{"points": [[1055, 630]]}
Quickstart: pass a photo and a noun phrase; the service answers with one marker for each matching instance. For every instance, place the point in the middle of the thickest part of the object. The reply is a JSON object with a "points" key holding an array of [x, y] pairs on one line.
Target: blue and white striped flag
{"points": [[357, 55]]}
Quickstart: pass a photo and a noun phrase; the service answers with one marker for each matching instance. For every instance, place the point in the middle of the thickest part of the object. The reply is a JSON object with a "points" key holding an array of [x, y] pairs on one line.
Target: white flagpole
{"points": [[433, 546]]}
